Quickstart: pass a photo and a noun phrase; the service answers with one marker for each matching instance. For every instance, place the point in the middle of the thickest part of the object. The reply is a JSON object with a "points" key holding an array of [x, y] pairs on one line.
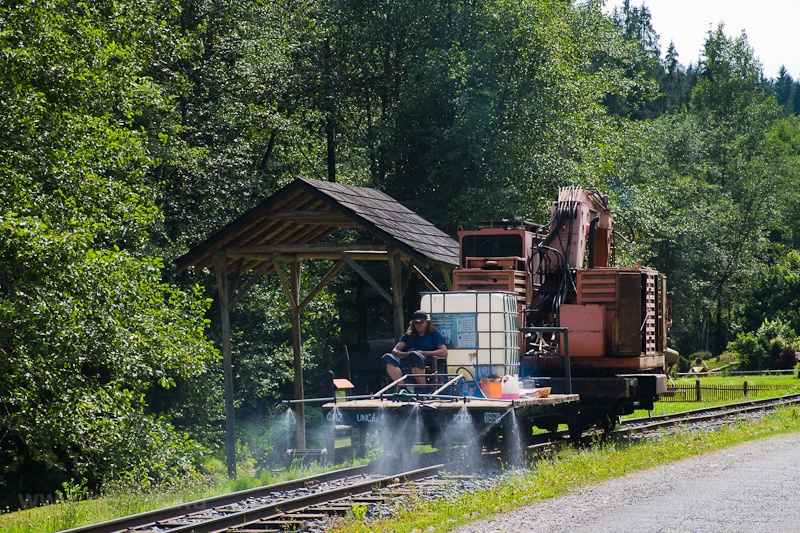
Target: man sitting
{"points": [[420, 343]]}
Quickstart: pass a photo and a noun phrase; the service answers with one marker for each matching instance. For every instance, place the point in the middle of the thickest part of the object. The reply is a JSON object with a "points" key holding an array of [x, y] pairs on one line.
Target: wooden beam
{"points": [[237, 274], [287, 291], [329, 218], [324, 281], [221, 268], [425, 279], [375, 255], [447, 274], [409, 273], [369, 279], [257, 275], [360, 255], [237, 251]]}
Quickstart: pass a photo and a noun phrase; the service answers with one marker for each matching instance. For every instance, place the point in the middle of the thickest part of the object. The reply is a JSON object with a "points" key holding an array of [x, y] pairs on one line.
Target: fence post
{"points": [[744, 386], [697, 390]]}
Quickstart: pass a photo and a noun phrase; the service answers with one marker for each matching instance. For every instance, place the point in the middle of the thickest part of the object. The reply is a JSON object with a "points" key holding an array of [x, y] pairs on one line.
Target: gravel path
{"points": [[747, 488]]}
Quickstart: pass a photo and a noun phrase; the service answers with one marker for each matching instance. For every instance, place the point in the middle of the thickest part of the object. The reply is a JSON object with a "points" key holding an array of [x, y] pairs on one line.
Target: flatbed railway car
{"points": [[446, 420]]}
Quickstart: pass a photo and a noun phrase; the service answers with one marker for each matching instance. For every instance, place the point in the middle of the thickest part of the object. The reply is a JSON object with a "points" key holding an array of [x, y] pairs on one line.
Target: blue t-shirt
{"points": [[426, 343]]}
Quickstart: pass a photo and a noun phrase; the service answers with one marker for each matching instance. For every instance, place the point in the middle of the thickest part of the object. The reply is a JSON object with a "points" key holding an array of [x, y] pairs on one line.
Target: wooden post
{"points": [[395, 273], [346, 362], [447, 274], [221, 268], [698, 394], [294, 282], [330, 389], [744, 386]]}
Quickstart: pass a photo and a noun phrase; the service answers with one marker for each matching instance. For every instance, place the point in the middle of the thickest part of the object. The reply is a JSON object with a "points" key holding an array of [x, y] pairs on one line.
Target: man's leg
{"points": [[392, 365], [417, 362], [420, 379], [393, 372]]}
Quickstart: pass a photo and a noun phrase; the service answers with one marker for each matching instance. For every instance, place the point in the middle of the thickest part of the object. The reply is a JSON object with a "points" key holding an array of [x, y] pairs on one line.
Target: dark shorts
{"points": [[414, 360]]}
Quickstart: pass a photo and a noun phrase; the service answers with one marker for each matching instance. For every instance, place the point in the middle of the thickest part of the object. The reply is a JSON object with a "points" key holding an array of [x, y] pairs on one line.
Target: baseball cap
{"points": [[420, 316]]}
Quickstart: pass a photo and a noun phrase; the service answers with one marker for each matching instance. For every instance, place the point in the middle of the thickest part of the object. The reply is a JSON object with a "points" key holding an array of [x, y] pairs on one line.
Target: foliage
{"points": [[698, 358], [787, 92], [634, 24], [89, 334], [775, 292], [716, 175], [749, 351], [484, 108], [771, 346], [88, 346]]}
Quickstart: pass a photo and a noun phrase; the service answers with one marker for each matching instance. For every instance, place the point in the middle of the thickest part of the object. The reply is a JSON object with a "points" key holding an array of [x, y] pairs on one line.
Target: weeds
{"points": [[359, 511]]}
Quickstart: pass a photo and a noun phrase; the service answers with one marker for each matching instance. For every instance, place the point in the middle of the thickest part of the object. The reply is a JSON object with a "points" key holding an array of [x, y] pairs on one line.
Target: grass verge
{"points": [[569, 470]]}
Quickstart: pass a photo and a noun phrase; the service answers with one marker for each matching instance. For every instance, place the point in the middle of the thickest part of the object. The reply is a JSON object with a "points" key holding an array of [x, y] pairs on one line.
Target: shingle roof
{"points": [[307, 211]]}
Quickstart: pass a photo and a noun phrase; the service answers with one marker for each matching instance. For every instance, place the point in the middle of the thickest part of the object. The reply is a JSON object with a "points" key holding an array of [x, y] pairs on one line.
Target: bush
{"points": [[699, 357], [787, 358], [769, 347], [747, 350], [727, 358]]}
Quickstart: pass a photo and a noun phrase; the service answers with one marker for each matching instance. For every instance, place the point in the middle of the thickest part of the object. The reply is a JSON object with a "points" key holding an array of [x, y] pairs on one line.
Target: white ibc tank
{"points": [[481, 330]]}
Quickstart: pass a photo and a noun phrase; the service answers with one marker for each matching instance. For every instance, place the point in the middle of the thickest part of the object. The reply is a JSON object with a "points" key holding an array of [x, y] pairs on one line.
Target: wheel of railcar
{"points": [[575, 427], [608, 423], [526, 432], [512, 443], [489, 440]]}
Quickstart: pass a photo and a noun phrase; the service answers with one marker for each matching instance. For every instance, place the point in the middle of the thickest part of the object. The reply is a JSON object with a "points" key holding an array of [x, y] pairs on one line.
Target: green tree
{"points": [[641, 63], [88, 331], [774, 293], [677, 82], [785, 91], [485, 108], [721, 172]]}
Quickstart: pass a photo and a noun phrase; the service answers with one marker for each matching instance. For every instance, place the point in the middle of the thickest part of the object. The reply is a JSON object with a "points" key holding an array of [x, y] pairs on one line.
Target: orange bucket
{"points": [[491, 389]]}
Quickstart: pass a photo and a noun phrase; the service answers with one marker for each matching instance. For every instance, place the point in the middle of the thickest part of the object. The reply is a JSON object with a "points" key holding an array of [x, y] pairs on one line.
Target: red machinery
{"points": [[617, 318]]}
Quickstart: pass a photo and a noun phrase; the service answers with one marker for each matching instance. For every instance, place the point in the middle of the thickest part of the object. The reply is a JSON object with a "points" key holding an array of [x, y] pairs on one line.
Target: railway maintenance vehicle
{"points": [[541, 331]]}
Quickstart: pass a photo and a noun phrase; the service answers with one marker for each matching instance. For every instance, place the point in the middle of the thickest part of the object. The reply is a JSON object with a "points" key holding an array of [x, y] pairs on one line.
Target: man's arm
{"points": [[399, 350], [440, 351]]}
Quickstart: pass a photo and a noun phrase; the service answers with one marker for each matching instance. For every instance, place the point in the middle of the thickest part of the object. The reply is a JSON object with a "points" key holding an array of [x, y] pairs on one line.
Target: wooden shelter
{"points": [[299, 223]]}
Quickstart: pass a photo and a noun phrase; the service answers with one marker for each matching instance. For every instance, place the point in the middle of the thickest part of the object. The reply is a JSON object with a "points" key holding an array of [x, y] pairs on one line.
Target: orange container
{"points": [[492, 389]]}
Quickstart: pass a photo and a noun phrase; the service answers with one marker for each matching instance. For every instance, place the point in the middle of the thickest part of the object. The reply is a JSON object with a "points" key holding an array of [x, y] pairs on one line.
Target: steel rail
{"points": [[642, 424], [723, 409], [276, 510], [706, 413], [183, 509]]}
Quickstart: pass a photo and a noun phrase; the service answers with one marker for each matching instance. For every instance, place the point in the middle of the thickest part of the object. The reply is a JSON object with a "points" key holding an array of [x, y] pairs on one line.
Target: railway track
{"points": [[284, 506], [294, 505], [178, 513], [708, 414]]}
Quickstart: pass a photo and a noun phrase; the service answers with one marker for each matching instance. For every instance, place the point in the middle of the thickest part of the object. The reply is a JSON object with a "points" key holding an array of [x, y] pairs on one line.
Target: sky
{"points": [[771, 27]]}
